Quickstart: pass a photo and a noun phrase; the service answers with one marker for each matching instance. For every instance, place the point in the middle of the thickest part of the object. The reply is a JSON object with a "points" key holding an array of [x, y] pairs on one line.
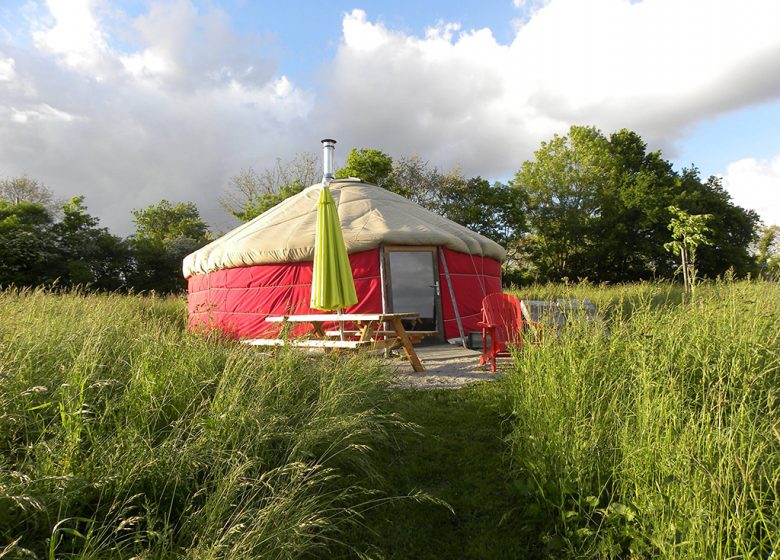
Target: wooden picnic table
{"points": [[374, 330]]}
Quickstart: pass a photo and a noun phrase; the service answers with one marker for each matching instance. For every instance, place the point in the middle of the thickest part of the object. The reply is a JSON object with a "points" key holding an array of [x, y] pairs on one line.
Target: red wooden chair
{"points": [[503, 320]]}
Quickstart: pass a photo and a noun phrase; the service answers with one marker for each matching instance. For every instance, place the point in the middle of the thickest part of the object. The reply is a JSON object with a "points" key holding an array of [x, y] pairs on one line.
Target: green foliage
{"points": [[597, 208], [768, 251], [165, 234], [415, 179], [369, 165], [124, 436], [688, 232], [266, 201], [733, 229], [26, 244], [653, 432], [88, 255], [560, 189], [36, 250], [492, 210], [164, 222]]}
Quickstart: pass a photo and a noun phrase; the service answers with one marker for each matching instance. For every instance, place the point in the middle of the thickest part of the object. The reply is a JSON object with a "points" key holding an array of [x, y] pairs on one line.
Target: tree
{"points": [[688, 232], [251, 193], [597, 208], [630, 228], [733, 229], [26, 189], [27, 244], [369, 165], [165, 234], [560, 192], [164, 222], [415, 179], [88, 255], [768, 252], [36, 250], [492, 210]]}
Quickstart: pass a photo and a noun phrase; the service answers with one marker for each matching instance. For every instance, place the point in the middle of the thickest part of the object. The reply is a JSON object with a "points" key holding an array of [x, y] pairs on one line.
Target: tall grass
{"points": [[655, 433], [121, 435]]}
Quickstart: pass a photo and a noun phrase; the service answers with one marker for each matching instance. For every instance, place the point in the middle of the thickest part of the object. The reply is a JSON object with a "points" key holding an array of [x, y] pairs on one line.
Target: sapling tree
{"points": [[688, 232]]}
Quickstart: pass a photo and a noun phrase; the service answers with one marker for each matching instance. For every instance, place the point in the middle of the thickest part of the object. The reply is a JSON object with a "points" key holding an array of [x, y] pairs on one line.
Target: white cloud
{"points": [[442, 30], [144, 64], [76, 36], [7, 69], [656, 67], [13, 85], [755, 183], [179, 49], [444, 96], [175, 101], [40, 112], [173, 115]]}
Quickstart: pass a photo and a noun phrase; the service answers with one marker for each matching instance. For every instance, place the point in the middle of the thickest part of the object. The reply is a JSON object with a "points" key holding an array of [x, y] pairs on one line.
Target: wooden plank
{"points": [[309, 343], [318, 330], [417, 334], [333, 317], [264, 342], [385, 343], [366, 330], [331, 343], [407, 344]]}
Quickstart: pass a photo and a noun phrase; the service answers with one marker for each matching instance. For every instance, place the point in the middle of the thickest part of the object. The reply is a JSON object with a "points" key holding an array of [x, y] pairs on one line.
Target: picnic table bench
{"points": [[374, 330]]}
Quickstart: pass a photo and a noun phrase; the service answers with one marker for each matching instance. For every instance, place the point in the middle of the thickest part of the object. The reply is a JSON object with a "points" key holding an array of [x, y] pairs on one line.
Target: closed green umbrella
{"points": [[332, 286]]}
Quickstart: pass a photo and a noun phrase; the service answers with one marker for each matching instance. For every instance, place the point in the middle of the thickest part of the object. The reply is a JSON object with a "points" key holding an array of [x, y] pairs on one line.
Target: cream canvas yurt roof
{"points": [[370, 216]]}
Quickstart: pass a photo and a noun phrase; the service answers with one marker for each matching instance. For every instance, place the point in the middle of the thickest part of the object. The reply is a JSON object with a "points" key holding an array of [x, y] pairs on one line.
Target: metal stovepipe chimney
{"points": [[328, 148]]}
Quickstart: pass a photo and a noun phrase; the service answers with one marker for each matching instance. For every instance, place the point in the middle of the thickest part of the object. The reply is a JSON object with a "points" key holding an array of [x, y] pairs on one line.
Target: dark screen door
{"points": [[414, 286]]}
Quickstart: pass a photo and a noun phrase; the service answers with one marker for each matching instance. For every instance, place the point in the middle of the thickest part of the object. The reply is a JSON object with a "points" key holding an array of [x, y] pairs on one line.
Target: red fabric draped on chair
{"points": [[503, 321]]}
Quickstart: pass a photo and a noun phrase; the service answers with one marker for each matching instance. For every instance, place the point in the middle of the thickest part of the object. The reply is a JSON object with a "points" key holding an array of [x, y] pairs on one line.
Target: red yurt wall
{"points": [[237, 300], [473, 278]]}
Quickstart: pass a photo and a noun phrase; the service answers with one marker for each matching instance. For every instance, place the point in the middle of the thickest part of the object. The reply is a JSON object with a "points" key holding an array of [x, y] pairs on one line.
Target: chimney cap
{"points": [[330, 140]]}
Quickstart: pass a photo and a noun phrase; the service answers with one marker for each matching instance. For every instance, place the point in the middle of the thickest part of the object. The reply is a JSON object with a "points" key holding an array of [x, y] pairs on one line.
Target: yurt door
{"points": [[412, 284]]}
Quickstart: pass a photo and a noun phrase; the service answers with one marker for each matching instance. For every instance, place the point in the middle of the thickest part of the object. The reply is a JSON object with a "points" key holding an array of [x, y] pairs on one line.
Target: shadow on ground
{"points": [[458, 456]]}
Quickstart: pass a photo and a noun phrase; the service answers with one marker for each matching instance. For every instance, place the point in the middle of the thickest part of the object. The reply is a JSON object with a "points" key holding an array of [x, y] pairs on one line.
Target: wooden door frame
{"points": [[386, 281]]}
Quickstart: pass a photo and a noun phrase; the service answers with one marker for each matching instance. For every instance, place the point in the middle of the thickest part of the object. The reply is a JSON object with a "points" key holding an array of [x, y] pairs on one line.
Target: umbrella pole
{"points": [[341, 324]]}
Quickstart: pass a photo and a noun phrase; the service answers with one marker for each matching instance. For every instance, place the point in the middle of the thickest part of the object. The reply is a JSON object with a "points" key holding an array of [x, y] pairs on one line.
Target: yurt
{"points": [[403, 258]]}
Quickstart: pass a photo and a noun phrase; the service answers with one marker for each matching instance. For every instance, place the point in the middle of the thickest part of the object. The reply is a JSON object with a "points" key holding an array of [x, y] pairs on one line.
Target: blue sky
{"points": [[751, 131], [130, 102]]}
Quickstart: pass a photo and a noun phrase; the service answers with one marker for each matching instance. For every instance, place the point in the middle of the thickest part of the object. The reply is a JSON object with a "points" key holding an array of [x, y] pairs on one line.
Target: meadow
{"points": [[124, 436], [652, 432], [655, 432]]}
